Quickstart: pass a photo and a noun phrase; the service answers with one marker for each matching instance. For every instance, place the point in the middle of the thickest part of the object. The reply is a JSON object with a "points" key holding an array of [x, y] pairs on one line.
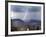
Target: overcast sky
{"points": [[25, 12]]}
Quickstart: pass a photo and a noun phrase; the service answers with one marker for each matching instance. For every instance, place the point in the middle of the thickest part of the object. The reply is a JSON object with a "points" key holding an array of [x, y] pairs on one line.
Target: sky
{"points": [[25, 12]]}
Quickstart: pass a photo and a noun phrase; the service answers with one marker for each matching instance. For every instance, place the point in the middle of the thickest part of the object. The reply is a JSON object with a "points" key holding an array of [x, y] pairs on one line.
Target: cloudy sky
{"points": [[25, 12]]}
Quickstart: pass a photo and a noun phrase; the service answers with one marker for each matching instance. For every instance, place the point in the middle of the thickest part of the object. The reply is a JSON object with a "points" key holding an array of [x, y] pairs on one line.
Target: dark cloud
{"points": [[18, 8]]}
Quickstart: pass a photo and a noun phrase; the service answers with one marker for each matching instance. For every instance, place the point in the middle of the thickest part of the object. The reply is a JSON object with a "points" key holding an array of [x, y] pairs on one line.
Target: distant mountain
{"points": [[35, 21], [19, 22]]}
